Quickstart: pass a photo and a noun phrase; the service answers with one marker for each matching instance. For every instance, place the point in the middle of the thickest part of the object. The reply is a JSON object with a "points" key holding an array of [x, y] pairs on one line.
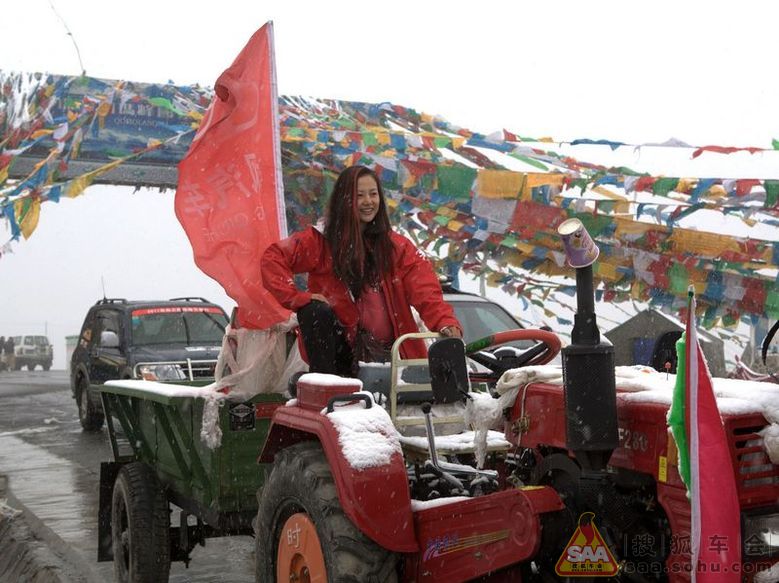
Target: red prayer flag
{"points": [[230, 196], [715, 521]]}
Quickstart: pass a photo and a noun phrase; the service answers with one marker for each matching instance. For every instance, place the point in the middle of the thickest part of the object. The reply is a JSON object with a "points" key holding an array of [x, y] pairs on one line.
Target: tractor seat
{"points": [[416, 447]]}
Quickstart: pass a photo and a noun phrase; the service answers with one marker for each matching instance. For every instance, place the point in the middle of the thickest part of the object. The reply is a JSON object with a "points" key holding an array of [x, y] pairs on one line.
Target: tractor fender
{"points": [[375, 499]]}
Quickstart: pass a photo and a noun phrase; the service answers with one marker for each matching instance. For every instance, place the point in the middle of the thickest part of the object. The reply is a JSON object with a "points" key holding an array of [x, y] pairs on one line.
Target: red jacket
{"points": [[411, 282]]}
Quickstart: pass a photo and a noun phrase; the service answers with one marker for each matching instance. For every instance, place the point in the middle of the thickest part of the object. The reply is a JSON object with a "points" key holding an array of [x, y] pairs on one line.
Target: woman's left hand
{"points": [[451, 332]]}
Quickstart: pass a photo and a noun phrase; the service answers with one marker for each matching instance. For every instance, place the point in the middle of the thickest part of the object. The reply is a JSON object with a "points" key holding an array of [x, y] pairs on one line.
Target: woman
{"points": [[363, 279]]}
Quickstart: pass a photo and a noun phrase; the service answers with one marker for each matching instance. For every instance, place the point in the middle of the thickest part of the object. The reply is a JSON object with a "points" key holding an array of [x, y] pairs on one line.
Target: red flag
{"points": [[230, 196], [715, 522]]}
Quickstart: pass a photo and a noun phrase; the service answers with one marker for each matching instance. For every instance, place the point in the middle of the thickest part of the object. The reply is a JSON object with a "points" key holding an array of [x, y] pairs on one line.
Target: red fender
{"points": [[375, 499]]}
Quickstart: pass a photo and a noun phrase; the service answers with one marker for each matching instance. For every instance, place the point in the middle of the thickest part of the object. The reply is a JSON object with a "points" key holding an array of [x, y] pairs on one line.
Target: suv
{"points": [[174, 340], [32, 351]]}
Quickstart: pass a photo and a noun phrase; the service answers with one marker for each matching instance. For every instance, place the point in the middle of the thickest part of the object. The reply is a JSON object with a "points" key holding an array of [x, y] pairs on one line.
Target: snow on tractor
{"points": [[480, 463]]}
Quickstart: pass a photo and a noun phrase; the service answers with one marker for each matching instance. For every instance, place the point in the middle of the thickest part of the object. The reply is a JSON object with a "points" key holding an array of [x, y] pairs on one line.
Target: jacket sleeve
{"points": [[300, 253], [423, 290]]}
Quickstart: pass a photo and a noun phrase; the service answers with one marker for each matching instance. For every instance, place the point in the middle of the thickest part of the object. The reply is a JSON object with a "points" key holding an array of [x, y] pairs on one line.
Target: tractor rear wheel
{"points": [[140, 526], [302, 531]]}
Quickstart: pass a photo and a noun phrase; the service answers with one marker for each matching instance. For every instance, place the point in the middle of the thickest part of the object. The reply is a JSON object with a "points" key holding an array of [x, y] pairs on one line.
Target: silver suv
{"points": [[32, 351]]}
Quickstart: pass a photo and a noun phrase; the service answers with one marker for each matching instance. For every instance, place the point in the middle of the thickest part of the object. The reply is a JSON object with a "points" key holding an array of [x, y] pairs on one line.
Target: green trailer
{"points": [[159, 460]]}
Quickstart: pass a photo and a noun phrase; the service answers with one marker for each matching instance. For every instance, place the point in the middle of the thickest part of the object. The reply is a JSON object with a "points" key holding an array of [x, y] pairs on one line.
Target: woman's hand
{"points": [[319, 298], [452, 332]]}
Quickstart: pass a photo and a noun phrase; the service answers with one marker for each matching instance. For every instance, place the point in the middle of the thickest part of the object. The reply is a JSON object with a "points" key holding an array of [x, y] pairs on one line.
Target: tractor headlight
{"points": [[761, 536], [162, 372]]}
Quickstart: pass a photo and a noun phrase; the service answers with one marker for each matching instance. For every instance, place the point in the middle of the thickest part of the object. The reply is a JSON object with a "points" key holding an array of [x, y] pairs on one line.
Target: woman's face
{"points": [[368, 201]]}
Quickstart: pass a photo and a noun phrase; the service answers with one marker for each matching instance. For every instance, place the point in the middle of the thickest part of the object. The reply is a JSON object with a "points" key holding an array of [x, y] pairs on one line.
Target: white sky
{"points": [[631, 71]]}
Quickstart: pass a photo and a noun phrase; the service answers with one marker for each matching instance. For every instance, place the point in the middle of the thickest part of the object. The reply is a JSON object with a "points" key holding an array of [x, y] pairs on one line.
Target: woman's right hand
{"points": [[319, 298]]}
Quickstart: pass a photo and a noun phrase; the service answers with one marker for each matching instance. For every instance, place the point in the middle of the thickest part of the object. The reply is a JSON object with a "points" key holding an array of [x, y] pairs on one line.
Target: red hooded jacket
{"points": [[411, 282]]}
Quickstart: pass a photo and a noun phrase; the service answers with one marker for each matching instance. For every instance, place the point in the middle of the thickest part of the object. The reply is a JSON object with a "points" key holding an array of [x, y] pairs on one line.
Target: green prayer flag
{"points": [[771, 193], [679, 279], [775, 144], [456, 181], [772, 302], [663, 186], [531, 161], [164, 103]]}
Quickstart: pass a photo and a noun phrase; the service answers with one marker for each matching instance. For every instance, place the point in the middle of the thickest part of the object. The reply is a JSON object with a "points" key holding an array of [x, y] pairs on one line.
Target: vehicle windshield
{"points": [[178, 325], [482, 319]]}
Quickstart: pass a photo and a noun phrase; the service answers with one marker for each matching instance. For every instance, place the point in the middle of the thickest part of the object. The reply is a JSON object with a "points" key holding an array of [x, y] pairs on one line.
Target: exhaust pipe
{"points": [[588, 363]]}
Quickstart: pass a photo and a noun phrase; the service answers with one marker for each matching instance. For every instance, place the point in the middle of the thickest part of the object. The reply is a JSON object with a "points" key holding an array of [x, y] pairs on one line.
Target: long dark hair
{"points": [[358, 258]]}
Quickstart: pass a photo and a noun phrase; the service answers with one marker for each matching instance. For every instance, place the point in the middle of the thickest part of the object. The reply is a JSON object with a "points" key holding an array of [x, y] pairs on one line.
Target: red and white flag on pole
{"points": [[716, 521], [230, 196]]}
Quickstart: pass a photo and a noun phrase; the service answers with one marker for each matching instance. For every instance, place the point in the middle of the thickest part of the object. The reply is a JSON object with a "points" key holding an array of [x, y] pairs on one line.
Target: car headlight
{"points": [[761, 536], [162, 372]]}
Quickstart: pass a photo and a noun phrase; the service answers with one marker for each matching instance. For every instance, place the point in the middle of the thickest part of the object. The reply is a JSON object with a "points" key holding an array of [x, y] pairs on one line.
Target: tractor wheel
{"points": [[140, 526], [91, 417], [31, 366], [302, 531], [46, 366]]}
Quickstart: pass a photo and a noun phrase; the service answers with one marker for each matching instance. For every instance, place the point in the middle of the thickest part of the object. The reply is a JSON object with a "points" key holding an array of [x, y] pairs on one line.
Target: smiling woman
{"points": [[363, 281]]}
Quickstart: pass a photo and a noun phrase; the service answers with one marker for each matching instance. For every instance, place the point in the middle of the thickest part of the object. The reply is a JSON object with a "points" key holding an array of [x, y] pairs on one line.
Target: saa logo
{"points": [[586, 554]]}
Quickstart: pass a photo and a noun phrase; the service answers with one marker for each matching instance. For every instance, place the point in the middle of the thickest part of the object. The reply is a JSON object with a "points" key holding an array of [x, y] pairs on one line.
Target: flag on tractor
{"points": [[230, 196], [705, 465]]}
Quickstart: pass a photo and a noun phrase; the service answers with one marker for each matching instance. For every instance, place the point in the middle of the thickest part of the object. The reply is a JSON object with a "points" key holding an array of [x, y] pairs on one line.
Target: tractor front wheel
{"points": [[302, 531]]}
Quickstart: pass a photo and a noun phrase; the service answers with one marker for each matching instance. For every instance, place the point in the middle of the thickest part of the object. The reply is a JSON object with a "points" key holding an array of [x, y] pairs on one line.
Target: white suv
{"points": [[32, 351]]}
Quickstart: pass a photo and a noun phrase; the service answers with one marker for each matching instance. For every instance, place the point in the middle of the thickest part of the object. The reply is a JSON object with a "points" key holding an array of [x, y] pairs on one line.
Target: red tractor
{"points": [[574, 460]]}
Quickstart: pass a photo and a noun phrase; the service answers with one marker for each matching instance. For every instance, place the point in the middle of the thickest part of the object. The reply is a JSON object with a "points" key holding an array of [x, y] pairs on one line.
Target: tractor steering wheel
{"points": [[547, 348]]}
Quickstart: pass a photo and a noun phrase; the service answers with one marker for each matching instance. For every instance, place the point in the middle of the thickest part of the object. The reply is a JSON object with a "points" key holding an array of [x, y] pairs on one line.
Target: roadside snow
{"points": [[367, 437]]}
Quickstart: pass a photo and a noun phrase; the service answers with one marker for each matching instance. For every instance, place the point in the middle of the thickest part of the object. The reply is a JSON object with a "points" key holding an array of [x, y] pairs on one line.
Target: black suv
{"points": [[173, 340]]}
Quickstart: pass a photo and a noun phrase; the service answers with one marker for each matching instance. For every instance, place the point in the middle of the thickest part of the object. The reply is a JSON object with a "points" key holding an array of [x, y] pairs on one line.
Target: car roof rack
{"points": [[189, 299], [111, 301]]}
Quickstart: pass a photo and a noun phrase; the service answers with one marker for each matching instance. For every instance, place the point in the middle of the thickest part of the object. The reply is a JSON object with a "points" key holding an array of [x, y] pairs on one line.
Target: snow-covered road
{"points": [[53, 468]]}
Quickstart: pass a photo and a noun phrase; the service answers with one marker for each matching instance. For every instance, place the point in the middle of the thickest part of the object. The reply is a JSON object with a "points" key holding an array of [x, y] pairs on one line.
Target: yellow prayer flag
{"points": [[76, 186], [27, 214], [499, 183], [38, 133], [709, 245], [383, 138], [606, 270], [455, 225]]}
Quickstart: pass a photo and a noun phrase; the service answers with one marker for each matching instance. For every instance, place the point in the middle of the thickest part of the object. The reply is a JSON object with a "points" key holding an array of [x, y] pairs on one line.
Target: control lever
{"points": [[426, 408]]}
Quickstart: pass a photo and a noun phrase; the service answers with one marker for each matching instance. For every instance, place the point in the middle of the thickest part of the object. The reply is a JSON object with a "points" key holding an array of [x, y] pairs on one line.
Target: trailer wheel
{"points": [[302, 531], [140, 526], [90, 417]]}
